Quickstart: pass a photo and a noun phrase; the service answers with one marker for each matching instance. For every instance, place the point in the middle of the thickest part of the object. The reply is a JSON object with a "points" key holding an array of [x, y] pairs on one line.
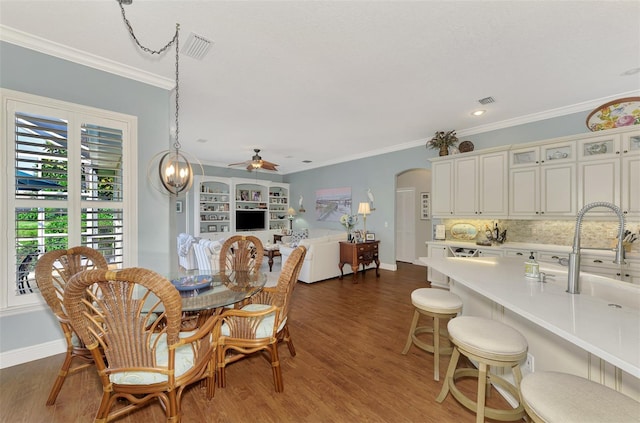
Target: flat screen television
{"points": [[250, 220]]}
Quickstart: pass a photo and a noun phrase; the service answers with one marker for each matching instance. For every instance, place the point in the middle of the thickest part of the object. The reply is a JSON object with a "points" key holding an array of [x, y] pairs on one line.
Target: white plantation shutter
{"points": [[67, 188]]}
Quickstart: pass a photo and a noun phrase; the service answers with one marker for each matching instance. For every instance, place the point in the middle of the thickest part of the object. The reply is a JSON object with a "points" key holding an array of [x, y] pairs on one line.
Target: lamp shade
{"points": [[363, 208], [291, 211]]}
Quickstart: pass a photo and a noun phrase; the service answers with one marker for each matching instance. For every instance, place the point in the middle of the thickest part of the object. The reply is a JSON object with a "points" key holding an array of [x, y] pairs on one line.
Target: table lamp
{"points": [[292, 214], [364, 210]]}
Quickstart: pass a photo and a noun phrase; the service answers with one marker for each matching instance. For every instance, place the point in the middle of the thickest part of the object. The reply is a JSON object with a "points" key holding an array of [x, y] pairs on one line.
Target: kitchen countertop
{"points": [[530, 247], [610, 333]]}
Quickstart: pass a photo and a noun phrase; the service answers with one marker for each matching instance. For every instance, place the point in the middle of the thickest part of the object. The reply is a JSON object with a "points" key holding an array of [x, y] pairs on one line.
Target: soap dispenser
{"points": [[531, 268]]}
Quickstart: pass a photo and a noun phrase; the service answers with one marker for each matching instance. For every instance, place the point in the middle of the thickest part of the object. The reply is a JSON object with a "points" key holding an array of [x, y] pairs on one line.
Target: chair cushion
{"points": [[436, 300], [184, 362], [559, 397], [265, 328], [485, 336]]}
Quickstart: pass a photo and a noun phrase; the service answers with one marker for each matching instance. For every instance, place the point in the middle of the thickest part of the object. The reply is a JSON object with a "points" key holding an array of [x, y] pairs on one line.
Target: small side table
{"points": [[271, 252], [359, 253]]}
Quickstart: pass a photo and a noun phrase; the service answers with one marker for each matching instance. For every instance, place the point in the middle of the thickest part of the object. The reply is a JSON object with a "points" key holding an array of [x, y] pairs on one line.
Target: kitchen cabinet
{"points": [[542, 181], [442, 188], [631, 174], [436, 278], [471, 186], [599, 171], [603, 265]]}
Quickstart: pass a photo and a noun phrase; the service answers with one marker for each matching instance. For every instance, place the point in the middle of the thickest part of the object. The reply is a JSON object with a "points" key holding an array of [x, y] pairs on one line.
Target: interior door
{"points": [[405, 225]]}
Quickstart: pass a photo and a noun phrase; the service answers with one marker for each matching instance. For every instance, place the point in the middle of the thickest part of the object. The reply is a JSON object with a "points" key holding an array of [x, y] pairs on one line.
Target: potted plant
{"points": [[442, 141]]}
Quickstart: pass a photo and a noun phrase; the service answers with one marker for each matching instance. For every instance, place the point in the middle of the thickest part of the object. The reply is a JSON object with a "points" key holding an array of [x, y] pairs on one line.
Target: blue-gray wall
{"points": [[379, 172], [32, 72], [39, 74]]}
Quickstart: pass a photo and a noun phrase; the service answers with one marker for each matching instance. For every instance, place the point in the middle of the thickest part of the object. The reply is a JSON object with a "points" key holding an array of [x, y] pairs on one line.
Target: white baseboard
{"points": [[34, 352]]}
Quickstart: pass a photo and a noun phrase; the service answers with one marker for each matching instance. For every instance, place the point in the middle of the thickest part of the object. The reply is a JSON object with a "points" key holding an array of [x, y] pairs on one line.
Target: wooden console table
{"points": [[359, 253]]}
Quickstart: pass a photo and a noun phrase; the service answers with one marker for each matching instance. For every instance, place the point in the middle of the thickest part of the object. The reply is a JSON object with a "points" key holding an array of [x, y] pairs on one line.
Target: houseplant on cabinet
{"points": [[442, 141]]}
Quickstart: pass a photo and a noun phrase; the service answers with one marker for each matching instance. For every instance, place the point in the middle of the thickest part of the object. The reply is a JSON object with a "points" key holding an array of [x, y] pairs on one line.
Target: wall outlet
{"points": [[529, 363], [612, 234]]}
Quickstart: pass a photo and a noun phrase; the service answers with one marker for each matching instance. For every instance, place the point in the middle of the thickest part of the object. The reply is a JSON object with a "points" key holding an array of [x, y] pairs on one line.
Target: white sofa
{"points": [[323, 255]]}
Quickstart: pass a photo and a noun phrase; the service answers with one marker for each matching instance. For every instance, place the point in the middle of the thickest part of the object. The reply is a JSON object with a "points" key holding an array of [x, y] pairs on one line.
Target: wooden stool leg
{"points": [[482, 392], [414, 323], [448, 379], [436, 348]]}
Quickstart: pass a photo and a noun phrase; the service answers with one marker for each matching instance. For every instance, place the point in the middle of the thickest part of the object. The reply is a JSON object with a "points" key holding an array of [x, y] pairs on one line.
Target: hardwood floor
{"points": [[348, 368]]}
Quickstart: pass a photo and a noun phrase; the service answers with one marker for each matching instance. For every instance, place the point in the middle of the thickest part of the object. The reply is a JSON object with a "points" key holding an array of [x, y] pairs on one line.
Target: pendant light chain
{"points": [[175, 41]]}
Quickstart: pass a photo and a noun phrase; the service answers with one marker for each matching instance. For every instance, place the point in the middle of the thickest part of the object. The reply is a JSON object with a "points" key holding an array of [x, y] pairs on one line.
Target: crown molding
{"points": [[32, 42], [547, 114]]}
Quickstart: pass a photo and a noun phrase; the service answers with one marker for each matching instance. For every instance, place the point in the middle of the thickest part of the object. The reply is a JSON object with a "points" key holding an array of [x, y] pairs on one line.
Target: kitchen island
{"points": [[565, 331]]}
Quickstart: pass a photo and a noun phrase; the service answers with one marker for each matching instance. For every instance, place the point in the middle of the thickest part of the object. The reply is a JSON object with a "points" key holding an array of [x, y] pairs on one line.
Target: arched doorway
{"points": [[411, 231]]}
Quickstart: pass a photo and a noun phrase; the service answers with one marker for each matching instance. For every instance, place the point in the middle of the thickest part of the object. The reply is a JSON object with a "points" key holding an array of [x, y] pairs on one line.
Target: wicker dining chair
{"points": [[261, 324], [134, 316], [53, 271], [241, 252]]}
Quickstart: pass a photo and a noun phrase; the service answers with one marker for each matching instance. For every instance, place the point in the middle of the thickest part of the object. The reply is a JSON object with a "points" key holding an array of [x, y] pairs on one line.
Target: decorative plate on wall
{"points": [[465, 146], [464, 231], [615, 114]]}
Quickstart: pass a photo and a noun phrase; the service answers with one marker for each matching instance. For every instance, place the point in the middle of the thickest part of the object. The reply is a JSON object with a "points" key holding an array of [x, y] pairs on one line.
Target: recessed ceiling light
{"points": [[202, 140], [478, 112], [630, 72], [306, 161]]}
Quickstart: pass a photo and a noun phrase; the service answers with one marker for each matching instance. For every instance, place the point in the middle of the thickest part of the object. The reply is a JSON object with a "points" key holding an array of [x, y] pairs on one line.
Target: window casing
{"points": [[69, 180]]}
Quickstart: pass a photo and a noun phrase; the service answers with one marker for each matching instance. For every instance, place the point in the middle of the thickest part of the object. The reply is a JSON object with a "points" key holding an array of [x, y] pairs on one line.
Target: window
{"points": [[69, 182]]}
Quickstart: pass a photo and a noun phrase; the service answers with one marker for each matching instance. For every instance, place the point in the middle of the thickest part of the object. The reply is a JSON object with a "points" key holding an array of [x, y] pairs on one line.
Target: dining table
{"points": [[207, 293]]}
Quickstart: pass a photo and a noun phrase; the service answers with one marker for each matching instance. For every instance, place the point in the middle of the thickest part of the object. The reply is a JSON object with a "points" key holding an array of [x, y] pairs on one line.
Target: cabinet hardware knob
{"points": [[518, 254], [597, 261]]}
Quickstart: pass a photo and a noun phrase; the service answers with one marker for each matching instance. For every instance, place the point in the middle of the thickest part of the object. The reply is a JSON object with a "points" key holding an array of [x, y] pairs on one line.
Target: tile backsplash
{"points": [[595, 234]]}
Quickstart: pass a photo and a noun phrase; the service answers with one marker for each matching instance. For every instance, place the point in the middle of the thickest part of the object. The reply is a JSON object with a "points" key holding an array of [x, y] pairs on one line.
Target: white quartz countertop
{"points": [[530, 247], [585, 320]]}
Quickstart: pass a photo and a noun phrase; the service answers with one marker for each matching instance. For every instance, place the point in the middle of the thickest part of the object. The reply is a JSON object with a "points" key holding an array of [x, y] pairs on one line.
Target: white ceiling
{"points": [[333, 80]]}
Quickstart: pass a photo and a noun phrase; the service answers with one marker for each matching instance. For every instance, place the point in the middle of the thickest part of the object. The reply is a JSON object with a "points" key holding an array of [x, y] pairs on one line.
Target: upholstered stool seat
{"points": [[552, 397], [437, 304], [489, 343]]}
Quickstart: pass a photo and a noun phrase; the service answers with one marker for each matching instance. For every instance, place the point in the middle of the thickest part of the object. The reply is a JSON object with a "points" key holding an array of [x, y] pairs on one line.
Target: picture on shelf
{"points": [[256, 196], [371, 236], [212, 228], [244, 195], [224, 228]]}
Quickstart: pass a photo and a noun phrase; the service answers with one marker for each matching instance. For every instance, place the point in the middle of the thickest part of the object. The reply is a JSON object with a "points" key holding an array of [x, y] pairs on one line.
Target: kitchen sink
{"points": [[614, 292]]}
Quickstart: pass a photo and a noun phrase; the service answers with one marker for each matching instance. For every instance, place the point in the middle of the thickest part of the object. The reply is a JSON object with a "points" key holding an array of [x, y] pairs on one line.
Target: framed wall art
{"points": [[425, 206]]}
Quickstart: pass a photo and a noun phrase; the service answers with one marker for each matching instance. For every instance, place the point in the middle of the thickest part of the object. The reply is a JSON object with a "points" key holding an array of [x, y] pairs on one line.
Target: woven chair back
{"points": [[127, 313], [241, 253], [55, 268], [287, 281]]}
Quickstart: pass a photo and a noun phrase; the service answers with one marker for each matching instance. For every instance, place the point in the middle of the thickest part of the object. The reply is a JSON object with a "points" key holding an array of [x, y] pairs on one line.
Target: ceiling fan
{"points": [[256, 162]]}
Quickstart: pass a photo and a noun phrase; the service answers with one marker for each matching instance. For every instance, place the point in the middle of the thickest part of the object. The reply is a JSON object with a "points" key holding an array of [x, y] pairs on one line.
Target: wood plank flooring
{"points": [[348, 368]]}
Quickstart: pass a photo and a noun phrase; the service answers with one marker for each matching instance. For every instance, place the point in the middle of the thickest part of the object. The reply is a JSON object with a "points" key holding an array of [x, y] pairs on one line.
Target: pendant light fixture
{"points": [[174, 170]]}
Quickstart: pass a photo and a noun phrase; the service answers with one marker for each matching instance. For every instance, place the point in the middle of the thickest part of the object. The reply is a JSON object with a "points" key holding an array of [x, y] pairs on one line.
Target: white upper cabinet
{"points": [[546, 179], [442, 186], [471, 186], [542, 180]]}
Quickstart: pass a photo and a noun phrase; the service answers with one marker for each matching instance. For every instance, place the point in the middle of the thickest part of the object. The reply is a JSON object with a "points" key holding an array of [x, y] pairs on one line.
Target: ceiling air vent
{"points": [[196, 46], [487, 100]]}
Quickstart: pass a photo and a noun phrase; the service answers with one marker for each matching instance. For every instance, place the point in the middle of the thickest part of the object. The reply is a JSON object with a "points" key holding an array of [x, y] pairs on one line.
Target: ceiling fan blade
{"points": [[268, 165], [241, 163]]}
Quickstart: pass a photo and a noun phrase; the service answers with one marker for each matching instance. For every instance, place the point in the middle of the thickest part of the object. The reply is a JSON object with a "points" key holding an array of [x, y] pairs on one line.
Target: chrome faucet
{"points": [[573, 283]]}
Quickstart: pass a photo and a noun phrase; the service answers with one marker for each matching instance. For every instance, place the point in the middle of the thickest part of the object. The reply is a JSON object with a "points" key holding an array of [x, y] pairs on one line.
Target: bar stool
{"points": [[436, 304], [489, 343], [551, 397]]}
